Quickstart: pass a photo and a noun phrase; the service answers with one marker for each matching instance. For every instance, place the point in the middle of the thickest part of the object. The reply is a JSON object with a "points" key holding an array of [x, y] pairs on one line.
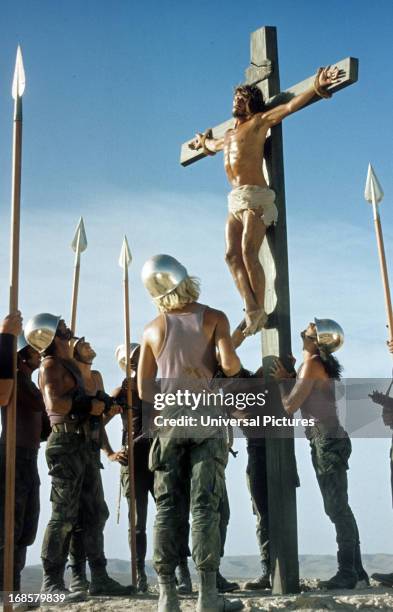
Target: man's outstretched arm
{"points": [[325, 77], [205, 141]]}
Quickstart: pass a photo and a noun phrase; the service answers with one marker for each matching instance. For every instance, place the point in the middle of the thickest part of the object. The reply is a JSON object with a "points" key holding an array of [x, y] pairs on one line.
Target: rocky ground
{"points": [[312, 568], [374, 598]]}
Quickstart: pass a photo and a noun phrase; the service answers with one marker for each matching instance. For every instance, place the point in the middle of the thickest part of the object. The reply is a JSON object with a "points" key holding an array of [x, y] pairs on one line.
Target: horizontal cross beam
{"points": [[350, 67]]}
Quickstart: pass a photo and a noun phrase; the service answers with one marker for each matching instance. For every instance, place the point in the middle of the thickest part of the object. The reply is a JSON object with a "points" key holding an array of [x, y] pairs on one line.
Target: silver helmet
{"points": [[161, 274], [120, 353], [330, 335], [21, 343], [40, 330]]}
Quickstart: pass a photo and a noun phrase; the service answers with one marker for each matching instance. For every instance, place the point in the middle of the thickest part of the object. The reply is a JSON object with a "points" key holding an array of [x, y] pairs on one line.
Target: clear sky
{"points": [[113, 89]]}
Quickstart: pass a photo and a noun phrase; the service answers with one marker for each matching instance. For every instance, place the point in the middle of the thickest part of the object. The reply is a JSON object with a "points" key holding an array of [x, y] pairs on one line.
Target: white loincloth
{"points": [[253, 197]]}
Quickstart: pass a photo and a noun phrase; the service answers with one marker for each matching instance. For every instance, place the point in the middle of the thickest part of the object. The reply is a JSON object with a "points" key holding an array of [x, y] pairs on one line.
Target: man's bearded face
{"points": [[240, 107], [309, 333], [84, 352], [63, 332]]}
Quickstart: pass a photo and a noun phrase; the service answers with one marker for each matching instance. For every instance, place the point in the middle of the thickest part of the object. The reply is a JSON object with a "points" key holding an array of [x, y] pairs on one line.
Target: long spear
{"points": [[124, 262], [374, 194], [18, 87], [78, 245]]}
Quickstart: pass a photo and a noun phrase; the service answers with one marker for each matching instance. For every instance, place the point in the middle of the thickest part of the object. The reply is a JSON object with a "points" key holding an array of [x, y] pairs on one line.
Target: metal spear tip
{"points": [[373, 190], [125, 254], [79, 242], [19, 81]]}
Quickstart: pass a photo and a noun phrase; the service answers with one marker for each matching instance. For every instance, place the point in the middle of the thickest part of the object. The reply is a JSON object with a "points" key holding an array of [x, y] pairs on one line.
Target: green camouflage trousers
{"points": [[184, 532], [197, 465], [77, 500], [330, 460]]}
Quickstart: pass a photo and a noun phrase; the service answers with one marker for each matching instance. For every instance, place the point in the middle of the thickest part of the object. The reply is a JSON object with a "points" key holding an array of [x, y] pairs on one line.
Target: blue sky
{"points": [[112, 91]]}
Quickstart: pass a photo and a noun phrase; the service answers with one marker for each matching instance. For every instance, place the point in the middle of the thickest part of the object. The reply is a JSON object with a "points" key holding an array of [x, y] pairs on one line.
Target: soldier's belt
{"points": [[68, 428]]}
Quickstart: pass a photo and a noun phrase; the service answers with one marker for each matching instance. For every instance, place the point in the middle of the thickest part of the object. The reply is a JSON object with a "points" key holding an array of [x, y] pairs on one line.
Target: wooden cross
{"points": [[276, 341]]}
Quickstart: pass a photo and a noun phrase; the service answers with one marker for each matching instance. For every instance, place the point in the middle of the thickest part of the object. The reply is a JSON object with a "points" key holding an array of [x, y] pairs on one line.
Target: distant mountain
{"points": [[241, 568]]}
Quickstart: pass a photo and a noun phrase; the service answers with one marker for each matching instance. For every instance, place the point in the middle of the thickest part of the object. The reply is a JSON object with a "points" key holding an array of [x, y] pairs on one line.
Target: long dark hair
{"points": [[332, 366], [256, 103]]}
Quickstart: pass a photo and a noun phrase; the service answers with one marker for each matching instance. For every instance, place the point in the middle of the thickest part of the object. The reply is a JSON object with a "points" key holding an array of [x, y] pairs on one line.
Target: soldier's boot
{"points": [[53, 584], [79, 581], [168, 600], [262, 582], [183, 578], [141, 578], [363, 579], [346, 577], [102, 584], [224, 585], [384, 579], [209, 600]]}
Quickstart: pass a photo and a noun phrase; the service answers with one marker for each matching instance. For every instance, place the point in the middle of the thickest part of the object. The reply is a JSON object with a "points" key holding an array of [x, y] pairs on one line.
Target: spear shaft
{"points": [[382, 263], [130, 425], [78, 245], [9, 504], [75, 289]]}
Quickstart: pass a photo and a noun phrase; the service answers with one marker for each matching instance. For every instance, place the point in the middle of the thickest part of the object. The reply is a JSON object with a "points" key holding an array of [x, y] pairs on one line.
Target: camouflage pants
{"points": [[179, 464], [257, 484], [184, 532], [27, 509], [330, 460], [77, 498]]}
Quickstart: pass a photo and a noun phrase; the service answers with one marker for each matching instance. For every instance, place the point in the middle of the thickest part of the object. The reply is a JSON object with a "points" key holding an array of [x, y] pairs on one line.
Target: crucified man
{"points": [[251, 202]]}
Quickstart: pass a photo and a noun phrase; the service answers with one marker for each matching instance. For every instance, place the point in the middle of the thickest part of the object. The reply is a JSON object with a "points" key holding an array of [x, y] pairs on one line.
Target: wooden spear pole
{"points": [[374, 195], [18, 87], [124, 262], [78, 245]]}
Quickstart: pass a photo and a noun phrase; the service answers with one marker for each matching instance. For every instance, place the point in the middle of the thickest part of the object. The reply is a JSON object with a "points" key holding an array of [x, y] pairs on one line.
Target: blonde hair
{"points": [[187, 292]]}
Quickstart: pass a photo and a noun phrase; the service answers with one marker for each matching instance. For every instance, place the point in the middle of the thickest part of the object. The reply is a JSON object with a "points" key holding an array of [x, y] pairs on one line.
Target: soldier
{"points": [[32, 427], [144, 478], [93, 503], [251, 203], [313, 392], [181, 343], [74, 472], [387, 415], [10, 327]]}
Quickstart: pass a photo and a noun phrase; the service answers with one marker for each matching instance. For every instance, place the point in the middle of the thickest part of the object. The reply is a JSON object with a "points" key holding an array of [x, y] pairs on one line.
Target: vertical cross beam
{"points": [[280, 452]]}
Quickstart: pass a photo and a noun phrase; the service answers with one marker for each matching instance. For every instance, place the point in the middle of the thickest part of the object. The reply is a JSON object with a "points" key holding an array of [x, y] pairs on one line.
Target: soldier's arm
{"points": [[294, 395], [117, 395], [147, 365], [10, 327], [60, 397], [6, 368], [230, 362]]}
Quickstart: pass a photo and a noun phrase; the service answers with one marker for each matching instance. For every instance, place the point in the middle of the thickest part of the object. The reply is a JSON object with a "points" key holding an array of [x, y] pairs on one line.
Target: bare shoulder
{"points": [[212, 315], [154, 329], [51, 369], [313, 368], [97, 376], [51, 365]]}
